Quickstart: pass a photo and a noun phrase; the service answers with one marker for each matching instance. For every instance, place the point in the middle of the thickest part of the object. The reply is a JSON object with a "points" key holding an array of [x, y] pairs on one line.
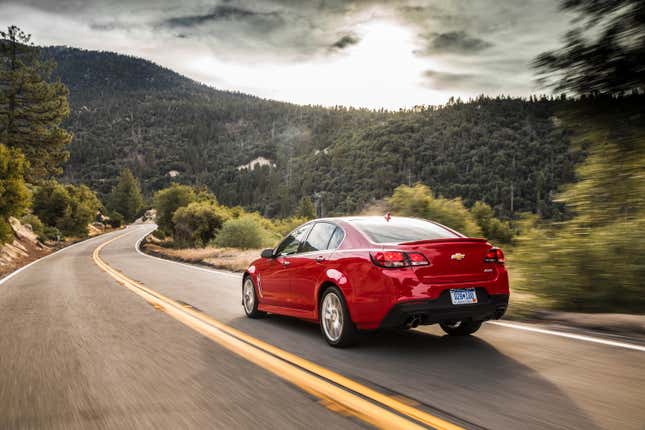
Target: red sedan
{"points": [[366, 273]]}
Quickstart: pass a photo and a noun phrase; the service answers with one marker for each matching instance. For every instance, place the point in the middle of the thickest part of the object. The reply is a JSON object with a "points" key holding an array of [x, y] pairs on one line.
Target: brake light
{"points": [[494, 255], [393, 259]]}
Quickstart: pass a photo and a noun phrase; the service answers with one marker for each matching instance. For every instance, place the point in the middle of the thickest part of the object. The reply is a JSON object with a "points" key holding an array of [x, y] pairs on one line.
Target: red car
{"points": [[366, 273]]}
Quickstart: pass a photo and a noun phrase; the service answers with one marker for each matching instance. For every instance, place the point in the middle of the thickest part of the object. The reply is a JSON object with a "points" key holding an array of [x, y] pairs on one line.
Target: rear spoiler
{"points": [[452, 240]]}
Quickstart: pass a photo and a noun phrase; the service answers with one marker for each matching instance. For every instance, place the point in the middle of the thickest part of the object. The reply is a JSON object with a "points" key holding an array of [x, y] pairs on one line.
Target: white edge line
{"points": [[570, 335], [191, 266], [84, 241]]}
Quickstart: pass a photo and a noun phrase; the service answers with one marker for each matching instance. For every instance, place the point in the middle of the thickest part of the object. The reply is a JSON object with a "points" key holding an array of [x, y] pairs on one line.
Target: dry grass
{"points": [[236, 260]]}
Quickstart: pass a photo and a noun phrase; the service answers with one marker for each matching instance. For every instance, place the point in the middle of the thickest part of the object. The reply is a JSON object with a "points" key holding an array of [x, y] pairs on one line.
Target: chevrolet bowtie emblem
{"points": [[458, 256]]}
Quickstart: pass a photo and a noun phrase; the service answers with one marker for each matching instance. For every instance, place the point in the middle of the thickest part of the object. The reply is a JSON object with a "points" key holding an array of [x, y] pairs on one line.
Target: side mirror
{"points": [[267, 253]]}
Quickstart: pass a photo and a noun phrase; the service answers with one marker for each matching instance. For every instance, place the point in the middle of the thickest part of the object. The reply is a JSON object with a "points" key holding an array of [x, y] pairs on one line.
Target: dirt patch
{"points": [[236, 260]]}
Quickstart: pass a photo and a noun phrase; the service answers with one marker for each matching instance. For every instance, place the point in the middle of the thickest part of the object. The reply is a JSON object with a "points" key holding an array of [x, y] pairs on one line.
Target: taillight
{"points": [[393, 259], [494, 255]]}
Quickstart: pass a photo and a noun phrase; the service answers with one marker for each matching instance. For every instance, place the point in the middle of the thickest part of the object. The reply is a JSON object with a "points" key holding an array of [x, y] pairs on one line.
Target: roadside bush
{"points": [[198, 223], [168, 200], [69, 208], [244, 232], [51, 234], [419, 201], [115, 219], [36, 224], [493, 228]]}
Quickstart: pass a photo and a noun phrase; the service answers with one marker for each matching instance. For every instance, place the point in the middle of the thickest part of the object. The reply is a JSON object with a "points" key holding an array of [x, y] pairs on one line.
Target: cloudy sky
{"points": [[396, 53]]}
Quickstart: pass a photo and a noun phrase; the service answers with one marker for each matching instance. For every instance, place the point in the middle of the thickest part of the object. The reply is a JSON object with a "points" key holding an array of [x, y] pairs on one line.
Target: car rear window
{"points": [[397, 230]]}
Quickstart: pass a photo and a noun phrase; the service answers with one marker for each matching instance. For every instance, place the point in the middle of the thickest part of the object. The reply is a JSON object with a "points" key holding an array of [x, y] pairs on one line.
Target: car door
{"points": [[274, 279], [310, 264]]}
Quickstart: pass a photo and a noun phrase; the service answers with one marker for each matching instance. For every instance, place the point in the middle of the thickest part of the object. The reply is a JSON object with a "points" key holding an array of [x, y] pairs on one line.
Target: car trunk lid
{"points": [[454, 260]]}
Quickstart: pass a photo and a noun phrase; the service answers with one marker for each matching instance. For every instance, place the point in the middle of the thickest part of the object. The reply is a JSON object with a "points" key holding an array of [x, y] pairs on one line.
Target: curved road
{"points": [[79, 350]]}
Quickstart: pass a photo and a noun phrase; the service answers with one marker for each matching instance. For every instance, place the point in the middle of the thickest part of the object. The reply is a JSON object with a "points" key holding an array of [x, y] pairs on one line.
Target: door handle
{"points": [[320, 259], [285, 262]]}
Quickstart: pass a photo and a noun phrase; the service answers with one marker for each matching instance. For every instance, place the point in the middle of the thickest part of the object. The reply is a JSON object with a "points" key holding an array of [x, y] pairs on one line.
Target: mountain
{"points": [[129, 112]]}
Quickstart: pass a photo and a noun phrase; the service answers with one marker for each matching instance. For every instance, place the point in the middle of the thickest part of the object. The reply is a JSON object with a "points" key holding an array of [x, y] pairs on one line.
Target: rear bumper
{"points": [[491, 306]]}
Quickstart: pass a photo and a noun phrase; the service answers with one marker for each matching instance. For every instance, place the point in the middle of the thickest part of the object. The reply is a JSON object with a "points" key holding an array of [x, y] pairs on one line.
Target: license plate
{"points": [[463, 296]]}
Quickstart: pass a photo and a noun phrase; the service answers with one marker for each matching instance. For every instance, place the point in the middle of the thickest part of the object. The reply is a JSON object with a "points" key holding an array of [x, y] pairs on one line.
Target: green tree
{"points": [[419, 201], [69, 208], [126, 197], [168, 200], [14, 194], [31, 108], [198, 223], [306, 208]]}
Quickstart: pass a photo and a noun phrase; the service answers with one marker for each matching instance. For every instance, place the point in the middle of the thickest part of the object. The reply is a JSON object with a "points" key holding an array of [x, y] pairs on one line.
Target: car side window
{"points": [[318, 237], [292, 242], [336, 238]]}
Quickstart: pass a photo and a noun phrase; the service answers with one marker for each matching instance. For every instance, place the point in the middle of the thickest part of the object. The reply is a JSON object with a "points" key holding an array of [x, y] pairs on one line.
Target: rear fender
{"points": [[338, 279]]}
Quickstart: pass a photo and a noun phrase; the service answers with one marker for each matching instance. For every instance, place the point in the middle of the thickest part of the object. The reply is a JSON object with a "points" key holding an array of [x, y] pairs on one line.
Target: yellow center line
{"points": [[301, 372]]}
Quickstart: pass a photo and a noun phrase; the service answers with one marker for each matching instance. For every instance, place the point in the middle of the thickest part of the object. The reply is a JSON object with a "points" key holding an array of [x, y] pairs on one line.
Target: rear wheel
{"points": [[335, 323], [461, 328], [250, 299]]}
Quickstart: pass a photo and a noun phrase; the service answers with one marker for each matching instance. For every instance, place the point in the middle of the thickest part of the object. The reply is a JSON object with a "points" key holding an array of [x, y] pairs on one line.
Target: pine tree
{"points": [[126, 197], [306, 208], [31, 108]]}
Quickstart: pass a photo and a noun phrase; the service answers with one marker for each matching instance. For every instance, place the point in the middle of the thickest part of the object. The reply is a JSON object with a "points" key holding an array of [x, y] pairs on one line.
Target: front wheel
{"points": [[461, 328], [335, 323], [250, 299]]}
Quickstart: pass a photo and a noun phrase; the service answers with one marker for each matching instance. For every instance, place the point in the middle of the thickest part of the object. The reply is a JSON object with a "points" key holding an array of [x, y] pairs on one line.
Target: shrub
{"points": [[244, 232], [115, 219], [69, 208], [419, 201], [168, 200], [36, 224], [197, 223], [493, 228], [51, 234]]}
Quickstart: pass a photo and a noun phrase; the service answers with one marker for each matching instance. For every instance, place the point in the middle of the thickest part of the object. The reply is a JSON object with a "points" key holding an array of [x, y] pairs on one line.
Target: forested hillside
{"points": [[128, 112]]}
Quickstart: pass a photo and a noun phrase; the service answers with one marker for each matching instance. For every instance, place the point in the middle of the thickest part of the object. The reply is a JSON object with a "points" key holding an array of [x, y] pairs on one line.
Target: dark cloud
{"points": [[345, 41], [455, 42], [219, 13], [455, 81]]}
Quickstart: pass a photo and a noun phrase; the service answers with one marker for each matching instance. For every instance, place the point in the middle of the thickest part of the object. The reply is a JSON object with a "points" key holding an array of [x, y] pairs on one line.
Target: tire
{"points": [[250, 299], [461, 328], [336, 325]]}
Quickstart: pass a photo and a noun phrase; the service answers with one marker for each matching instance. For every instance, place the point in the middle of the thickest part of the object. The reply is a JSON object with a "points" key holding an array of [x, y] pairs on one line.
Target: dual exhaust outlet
{"points": [[413, 321]]}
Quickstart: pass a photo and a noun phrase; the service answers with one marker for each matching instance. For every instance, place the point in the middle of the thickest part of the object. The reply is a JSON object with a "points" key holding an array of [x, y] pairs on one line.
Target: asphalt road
{"points": [[79, 350]]}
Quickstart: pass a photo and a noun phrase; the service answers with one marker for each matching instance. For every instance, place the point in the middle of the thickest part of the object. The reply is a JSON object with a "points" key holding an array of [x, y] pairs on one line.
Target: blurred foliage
{"points": [[126, 198], [604, 54], [14, 194], [69, 208], [32, 106], [419, 201], [595, 260]]}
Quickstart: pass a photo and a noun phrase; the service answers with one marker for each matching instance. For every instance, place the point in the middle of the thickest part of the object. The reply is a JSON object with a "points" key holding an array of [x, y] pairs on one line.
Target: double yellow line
{"points": [[337, 392]]}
